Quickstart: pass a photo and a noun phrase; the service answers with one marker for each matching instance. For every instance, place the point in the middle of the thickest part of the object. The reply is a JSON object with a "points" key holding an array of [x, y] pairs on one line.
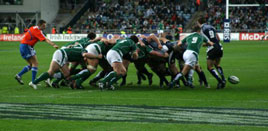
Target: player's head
{"points": [[196, 28], [201, 20], [42, 24], [91, 35], [134, 38]]}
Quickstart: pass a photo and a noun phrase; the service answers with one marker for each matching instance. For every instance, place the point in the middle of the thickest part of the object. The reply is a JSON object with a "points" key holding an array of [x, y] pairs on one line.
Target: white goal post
{"points": [[227, 30]]}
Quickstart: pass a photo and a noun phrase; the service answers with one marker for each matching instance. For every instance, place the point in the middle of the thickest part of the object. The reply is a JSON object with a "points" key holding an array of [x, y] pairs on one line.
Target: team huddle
{"points": [[75, 62]]}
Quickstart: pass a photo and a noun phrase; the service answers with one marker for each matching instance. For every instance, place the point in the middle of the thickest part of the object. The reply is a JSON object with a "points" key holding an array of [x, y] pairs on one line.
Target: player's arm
{"points": [[181, 42], [135, 55], [51, 43], [165, 40], [156, 53], [96, 39], [154, 38], [40, 36], [92, 56], [141, 43], [217, 35], [209, 43]]}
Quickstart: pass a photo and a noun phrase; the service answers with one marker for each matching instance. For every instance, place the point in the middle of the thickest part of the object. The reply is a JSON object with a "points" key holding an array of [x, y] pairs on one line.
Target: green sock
{"points": [[110, 76], [42, 77], [113, 80], [83, 78], [81, 74]]}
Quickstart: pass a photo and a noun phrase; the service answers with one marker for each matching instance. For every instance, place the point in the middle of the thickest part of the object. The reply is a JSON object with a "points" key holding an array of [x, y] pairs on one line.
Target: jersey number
{"points": [[122, 41], [194, 40], [211, 34]]}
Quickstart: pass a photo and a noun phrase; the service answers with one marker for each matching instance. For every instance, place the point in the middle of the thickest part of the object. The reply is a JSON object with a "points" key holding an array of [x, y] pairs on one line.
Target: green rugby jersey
{"points": [[194, 41], [104, 48], [144, 51], [74, 54], [125, 46], [81, 41]]}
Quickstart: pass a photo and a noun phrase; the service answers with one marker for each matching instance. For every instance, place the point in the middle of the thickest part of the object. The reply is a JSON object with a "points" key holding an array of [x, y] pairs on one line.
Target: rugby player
{"points": [[59, 62], [194, 42], [115, 59], [214, 53]]}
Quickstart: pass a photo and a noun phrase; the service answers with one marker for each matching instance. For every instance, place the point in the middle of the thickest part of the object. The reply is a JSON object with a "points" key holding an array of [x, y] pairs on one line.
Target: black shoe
{"points": [[223, 84], [123, 83], [139, 82], [55, 85], [80, 87], [18, 78], [201, 82], [191, 86], [171, 85], [219, 86], [150, 76], [63, 83]]}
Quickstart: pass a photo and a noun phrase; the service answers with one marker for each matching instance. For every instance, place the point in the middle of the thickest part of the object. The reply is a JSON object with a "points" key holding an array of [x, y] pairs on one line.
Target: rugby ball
{"points": [[233, 79]]}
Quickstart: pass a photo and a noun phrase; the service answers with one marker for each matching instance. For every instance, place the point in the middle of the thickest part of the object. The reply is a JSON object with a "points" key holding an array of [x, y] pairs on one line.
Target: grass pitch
{"points": [[139, 107]]}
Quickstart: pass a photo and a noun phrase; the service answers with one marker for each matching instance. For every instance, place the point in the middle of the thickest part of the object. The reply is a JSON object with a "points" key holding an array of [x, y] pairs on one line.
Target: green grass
{"points": [[246, 60]]}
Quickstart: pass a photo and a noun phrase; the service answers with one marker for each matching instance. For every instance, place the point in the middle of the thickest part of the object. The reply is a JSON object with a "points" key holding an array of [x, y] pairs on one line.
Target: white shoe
{"points": [[33, 85], [112, 88], [48, 82]]}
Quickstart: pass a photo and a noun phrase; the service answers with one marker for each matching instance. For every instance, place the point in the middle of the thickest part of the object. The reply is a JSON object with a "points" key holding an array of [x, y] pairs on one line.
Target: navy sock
{"points": [[215, 74], [219, 69], [34, 72], [202, 77], [24, 70]]}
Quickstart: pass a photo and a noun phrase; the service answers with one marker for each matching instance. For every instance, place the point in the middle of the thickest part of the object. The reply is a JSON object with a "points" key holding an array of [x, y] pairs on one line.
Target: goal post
{"points": [[227, 29]]}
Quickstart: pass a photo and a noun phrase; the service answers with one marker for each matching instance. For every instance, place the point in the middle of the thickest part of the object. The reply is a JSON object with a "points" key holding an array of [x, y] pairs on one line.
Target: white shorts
{"points": [[93, 49], [113, 56], [190, 58], [60, 57]]}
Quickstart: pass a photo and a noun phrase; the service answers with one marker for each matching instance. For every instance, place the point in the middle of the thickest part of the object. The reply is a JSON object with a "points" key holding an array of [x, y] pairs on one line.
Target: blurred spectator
{"points": [[69, 30], [54, 31], [139, 15]]}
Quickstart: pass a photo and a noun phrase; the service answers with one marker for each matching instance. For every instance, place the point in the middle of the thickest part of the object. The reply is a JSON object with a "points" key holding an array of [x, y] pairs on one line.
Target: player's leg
{"points": [[115, 60], [213, 72], [26, 52], [201, 75], [58, 61], [190, 61], [220, 70], [84, 74], [23, 71], [34, 62]]}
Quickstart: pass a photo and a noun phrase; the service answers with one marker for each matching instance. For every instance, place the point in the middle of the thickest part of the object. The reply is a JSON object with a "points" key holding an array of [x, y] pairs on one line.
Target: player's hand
{"points": [[56, 46], [166, 55], [160, 46], [100, 56]]}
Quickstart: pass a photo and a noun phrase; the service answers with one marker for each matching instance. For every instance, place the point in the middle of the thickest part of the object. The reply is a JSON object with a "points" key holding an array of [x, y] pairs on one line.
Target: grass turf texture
{"points": [[246, 60]]}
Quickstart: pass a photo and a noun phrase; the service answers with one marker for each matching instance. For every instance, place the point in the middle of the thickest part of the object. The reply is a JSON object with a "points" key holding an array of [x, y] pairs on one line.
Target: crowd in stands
{"points": [[139, 15], [11, 2], [242, 18]]}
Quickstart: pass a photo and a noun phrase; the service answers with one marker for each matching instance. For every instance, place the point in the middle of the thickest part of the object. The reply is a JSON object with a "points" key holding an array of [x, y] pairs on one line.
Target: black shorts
{"points": [[216, 52]]}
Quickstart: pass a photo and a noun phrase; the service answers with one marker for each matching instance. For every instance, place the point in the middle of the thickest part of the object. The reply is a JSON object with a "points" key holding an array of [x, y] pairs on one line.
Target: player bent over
{"points": [[59, 60], [190, 56], [96, 49], [115, 59]]}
